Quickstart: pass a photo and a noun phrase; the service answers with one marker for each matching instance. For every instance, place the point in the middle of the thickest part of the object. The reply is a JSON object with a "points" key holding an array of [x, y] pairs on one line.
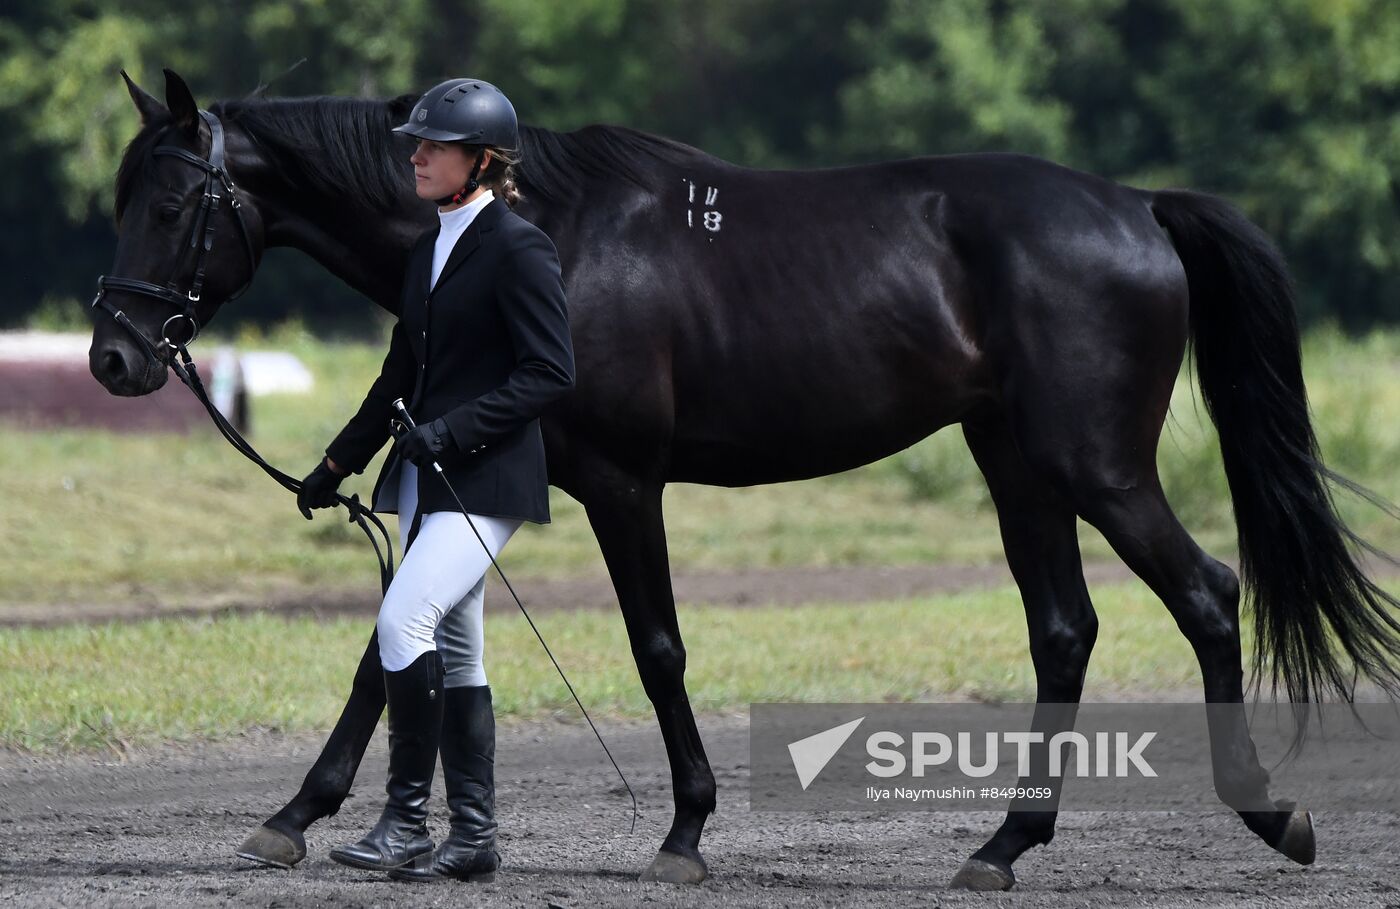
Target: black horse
{"points": [[737, 326]]}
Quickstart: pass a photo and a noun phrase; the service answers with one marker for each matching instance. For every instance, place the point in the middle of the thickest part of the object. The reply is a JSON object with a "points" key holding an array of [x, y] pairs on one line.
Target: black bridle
{"points": [[216, 177]]}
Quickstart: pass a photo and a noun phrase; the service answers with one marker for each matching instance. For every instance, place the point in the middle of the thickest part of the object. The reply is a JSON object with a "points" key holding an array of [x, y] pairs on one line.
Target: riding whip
{"points": [[407, 420]]}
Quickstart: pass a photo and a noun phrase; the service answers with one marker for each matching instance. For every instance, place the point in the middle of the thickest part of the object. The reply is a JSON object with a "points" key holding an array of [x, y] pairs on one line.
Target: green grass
{"points": [[117, 685], [92, 516]]}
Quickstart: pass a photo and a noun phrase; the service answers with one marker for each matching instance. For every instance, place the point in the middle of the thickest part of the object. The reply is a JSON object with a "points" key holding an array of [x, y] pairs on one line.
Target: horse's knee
{"points": [[1074, 638], [661, 663], [1062, 649]]}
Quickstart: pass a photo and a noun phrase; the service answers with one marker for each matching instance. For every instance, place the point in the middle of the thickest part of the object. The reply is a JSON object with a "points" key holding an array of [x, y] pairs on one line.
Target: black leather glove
{"points": [[426, 443], [318, 489]]}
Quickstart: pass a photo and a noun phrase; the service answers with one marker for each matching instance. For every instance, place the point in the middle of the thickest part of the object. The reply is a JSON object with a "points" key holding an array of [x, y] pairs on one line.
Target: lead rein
{"points": [[184, 367]]}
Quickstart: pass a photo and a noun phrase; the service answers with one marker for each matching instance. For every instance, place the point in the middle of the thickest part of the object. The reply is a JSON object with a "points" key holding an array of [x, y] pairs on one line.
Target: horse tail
{"points": [[1320, 622]]}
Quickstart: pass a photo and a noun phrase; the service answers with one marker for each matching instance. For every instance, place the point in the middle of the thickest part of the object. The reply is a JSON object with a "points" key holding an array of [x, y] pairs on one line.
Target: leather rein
{"points": [[216, 177]]}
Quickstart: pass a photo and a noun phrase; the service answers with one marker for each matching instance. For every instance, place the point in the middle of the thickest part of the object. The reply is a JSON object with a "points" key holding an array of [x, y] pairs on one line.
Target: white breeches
{"points": [[435, 601]]}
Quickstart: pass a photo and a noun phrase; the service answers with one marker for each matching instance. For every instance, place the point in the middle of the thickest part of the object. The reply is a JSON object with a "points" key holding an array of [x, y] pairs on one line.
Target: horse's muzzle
{"points": [[123, 370]]}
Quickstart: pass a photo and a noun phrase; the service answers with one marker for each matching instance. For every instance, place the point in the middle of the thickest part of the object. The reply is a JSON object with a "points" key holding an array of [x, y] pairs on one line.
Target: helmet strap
{"points": [[460, 195]]}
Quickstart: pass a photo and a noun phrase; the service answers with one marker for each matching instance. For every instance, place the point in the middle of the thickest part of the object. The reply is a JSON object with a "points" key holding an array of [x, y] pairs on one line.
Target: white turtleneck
{"points": [[454, 224]]}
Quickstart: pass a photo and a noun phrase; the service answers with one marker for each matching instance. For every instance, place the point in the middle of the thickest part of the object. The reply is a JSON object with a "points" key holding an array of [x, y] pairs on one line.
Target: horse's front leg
{"points": [[280, 841], [625, 513]]}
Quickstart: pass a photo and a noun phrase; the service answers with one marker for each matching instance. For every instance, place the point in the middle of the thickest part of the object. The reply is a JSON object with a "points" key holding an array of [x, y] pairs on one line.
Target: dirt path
{"points": [[746, 587], [161, 831], [753, 587]]}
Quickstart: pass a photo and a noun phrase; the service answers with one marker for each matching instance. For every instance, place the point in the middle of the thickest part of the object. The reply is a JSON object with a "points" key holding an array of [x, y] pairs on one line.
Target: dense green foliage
{"points": [[1286, 107]]}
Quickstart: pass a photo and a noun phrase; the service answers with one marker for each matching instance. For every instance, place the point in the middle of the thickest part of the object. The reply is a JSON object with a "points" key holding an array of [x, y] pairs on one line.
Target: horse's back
{"points": [[810, 321]]}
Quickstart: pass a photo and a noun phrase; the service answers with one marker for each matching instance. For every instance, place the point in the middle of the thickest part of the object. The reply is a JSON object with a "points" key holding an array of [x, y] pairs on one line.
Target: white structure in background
{"points": [[231, 377], [267, 372], [42, 346], [226, 386]]}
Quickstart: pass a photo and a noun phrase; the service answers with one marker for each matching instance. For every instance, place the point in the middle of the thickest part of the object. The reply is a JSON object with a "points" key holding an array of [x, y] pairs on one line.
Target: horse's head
{"points": [[187, 241]]}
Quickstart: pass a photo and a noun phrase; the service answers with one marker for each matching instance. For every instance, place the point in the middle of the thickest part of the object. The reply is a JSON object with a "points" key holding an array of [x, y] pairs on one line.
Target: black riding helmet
{"points": [[468, 111], [464, 110]]}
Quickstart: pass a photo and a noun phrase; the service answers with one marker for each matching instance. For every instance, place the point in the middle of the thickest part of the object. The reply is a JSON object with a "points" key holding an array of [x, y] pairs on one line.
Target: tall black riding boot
{"points": [[468, 770], [415, 697]]}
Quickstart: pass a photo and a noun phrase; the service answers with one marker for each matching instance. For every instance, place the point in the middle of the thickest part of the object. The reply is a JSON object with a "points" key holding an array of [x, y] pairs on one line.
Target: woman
{"points": [[480, 348]]}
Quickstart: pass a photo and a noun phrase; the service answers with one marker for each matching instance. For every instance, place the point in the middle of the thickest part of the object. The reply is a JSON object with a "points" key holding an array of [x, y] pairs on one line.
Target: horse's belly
{"points": [[749, 429]]}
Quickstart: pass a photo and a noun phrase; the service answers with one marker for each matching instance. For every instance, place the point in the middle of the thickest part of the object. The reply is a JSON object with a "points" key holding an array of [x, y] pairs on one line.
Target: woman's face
{"points": [[440, 168]]}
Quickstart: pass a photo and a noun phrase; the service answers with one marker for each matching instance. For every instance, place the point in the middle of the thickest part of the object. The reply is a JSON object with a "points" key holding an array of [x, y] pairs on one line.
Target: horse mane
{"points": [[331, 144], [335, 145], [555, 165]]}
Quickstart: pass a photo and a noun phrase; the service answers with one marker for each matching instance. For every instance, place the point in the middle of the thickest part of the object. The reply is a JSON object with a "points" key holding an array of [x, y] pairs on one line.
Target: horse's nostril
{"points": [[113, 366]]}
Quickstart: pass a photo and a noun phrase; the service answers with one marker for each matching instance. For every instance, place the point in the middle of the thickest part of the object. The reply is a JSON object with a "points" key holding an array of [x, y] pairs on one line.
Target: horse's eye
{"points": [[170, 213]]}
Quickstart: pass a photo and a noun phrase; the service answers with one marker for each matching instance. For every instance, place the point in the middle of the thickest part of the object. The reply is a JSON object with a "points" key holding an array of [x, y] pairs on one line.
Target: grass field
{"points": [[122, 685], [90, 517]]}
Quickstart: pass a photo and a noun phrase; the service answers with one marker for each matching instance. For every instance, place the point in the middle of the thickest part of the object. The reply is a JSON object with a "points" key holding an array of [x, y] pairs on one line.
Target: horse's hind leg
{"points": [[1042, 550], [1087, 438], [1203, 597], [1090, 427]]}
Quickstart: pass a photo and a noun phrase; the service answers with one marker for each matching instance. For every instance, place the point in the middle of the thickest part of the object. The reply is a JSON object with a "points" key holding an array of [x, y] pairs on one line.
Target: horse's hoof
{"points": [[976, 874], [672, 868], [1298, 841], [273, 847]]}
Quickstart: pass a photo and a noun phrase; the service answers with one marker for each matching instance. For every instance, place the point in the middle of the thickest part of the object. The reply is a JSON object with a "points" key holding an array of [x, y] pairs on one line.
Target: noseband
{"points": [[202, 236], [216, 176]]}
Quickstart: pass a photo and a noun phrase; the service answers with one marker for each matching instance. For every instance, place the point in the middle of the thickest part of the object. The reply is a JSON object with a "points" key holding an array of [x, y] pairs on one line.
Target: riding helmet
{"points": [[464, 110]]}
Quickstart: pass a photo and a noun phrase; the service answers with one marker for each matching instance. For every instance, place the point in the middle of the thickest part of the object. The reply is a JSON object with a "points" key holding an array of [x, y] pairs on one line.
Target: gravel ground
{"points": [[751, 587], [160, 829]]}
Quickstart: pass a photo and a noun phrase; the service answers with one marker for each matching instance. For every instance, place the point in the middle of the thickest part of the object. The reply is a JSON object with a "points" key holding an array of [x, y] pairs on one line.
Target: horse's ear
{"points": [[146, 105], [181, 103]]}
